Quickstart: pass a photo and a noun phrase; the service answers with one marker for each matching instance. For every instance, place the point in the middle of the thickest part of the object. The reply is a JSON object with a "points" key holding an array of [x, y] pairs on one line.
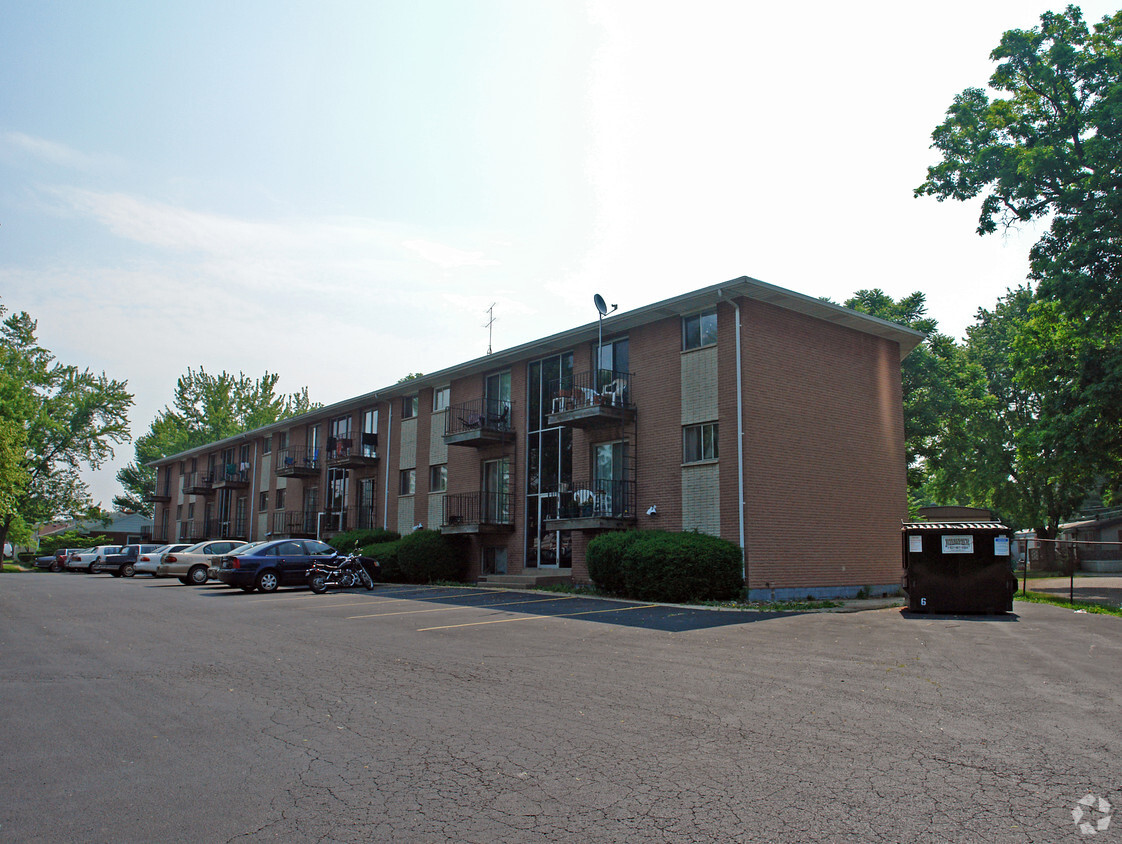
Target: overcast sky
{"points": [[336, 191]]}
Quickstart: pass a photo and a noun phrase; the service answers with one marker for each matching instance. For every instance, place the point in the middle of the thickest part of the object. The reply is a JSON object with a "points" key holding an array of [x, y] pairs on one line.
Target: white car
{"points": [[88, 559], [148, 563]]}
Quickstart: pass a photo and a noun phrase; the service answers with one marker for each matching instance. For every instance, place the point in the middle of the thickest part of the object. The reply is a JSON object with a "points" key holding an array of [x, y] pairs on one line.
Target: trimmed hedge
{"points": [[423, 556], [664, 566], [351, 539]]}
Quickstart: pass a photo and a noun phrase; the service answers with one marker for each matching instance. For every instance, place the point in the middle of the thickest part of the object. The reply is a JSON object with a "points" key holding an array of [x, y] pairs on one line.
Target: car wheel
{"points": [[197, 575], [128, 570], [56, 567], [267, 581]]}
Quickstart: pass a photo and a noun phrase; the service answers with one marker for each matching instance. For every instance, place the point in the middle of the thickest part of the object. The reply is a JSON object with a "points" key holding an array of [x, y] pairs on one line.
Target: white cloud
{"points": [[448, 257], [52, 152]]}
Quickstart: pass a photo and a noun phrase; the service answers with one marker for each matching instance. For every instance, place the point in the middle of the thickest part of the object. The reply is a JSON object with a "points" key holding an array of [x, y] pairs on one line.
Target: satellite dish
{"points": [[601, 305]]}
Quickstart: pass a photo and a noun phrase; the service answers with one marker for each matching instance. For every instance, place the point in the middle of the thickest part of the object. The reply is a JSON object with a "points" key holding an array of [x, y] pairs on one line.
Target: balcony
{"points": [[198, 483], [232, 476], [295, 524], [158, 497], [298, 462], [596, 505], [478, 513], [347, 453], [591, 399], [195, 531], [478, 423], [346, 518]]}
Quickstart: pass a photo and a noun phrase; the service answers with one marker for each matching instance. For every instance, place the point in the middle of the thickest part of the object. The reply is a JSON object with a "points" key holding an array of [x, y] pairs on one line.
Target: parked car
{"points": [[57, 560], [150, 562], [281, 562], [124, 563], [216, 561], [190, 564], [89, 558]]}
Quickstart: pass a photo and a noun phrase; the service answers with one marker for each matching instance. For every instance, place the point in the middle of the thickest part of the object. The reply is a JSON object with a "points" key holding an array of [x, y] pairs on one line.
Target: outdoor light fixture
{"points": [[652, 510]]}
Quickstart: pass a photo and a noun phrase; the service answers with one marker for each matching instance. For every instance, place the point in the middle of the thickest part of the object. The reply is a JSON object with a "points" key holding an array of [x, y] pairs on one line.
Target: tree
{"points": [[207, 408], [935, 379], [1008, 454], [54, 419], [1052, 150]]}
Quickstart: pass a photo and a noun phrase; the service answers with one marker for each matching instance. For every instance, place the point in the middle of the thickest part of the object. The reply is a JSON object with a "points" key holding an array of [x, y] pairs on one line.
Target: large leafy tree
{"points": [[1048, 147], [1007, 454], [936, 379], [54, 419], [205, 408]]}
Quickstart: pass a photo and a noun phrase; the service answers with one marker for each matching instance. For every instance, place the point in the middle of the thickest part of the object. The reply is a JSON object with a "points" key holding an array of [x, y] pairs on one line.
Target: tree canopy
{"points": [[54, 419], [1051, 150], [205, 408]]}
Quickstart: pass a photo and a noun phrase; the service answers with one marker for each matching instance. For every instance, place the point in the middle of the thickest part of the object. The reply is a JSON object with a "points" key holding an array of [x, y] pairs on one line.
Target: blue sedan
{"points": [[264, 567]]}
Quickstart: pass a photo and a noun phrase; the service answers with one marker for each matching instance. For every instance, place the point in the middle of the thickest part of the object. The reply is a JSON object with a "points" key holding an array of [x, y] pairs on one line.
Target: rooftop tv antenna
{"points": [[488, 324], [602, 307]]}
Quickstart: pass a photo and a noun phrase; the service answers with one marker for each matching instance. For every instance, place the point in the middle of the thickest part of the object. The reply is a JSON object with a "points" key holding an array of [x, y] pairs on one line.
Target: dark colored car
{"points": [[264, 567], [55, 561], [123, 564]]}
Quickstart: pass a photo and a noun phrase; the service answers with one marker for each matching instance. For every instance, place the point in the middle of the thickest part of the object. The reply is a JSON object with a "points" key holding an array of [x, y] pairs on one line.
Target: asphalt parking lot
{"points": [[144, 710]]}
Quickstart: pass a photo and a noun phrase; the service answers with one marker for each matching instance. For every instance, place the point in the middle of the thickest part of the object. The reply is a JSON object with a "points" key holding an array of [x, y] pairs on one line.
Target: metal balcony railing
{"points": [[294, 523], [299, 460], [232, 473], [597, 499], [596, 388], [478, 415], [198, 483], [347, 518], [478, 508]]}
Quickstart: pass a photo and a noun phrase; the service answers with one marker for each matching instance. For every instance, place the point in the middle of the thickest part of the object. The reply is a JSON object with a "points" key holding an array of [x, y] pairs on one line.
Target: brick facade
{"points": [[818, 454]]}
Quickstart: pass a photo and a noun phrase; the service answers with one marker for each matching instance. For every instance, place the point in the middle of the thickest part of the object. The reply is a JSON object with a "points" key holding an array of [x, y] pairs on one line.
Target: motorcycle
{"points": [[343, 572]]}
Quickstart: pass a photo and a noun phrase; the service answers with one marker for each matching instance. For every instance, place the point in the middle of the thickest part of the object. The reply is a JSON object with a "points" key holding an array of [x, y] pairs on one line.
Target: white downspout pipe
{"points": [[740, 448], [386, 457]]}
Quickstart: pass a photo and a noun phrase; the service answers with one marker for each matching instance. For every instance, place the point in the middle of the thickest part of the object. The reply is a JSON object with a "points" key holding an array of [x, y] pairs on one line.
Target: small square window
{"points": [[266, 445], [263, 501], [440, 398], [699, 330], [407, 482], [438, 478], [699, 442], [280, 499], [409, 406]]}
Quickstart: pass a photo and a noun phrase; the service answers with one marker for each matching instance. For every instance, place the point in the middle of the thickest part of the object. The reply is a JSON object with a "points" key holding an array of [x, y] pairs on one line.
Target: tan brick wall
{"points": [[407, 446], [701, 498], [699, 385], [405, 514]]}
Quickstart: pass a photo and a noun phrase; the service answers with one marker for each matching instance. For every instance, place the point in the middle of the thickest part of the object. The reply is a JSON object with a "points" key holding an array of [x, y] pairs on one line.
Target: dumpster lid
{"points": [[996, 526]]}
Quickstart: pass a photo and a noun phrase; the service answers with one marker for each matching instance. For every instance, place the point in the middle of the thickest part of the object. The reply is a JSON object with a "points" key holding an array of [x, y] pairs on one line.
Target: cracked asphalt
{"points": [[141, 710]]}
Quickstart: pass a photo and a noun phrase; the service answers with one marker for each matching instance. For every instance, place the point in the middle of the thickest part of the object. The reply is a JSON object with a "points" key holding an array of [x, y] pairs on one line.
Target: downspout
{"points": [[740, 450], [252, 519], [389, 438]]}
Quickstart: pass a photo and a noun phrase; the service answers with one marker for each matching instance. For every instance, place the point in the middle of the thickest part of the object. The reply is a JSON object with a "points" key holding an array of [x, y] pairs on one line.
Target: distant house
{"points": [[1097, 542], [123, 528], [741, 410]]}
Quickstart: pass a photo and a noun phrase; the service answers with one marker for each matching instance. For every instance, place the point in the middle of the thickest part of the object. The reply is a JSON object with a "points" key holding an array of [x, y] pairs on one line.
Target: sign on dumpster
{"points": [[958, 544]]}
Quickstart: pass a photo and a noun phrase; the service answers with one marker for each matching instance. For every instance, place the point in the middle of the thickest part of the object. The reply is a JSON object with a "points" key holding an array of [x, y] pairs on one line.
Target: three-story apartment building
{"points": [[742, 410]]}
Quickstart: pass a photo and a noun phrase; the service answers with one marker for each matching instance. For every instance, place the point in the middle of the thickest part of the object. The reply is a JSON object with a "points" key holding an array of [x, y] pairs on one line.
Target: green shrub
{"points": [[70, 539], [679, 567], [385, 553], [351, 539], [428, 555], [605, 559]]}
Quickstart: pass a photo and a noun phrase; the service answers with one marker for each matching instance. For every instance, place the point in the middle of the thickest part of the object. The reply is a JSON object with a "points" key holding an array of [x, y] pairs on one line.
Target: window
{"points": [[440, 398], [699, 330], [407, 482], [699, 442], [267, 445], [409, 406], [370, 433], [282, 440], [263, 501], [438, 478], [280, 499]]}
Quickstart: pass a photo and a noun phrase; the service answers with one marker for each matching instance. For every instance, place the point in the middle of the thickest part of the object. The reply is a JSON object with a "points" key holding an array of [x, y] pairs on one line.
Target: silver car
{"points": [[148, 563], [190, 564]]}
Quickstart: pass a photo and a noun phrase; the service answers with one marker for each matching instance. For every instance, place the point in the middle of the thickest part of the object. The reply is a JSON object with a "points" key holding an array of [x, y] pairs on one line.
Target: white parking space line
{"points": [[536, 617]]}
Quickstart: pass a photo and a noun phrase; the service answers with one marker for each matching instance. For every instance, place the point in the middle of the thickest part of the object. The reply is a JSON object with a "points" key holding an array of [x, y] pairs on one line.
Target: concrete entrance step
{"points": [[524, 579]]}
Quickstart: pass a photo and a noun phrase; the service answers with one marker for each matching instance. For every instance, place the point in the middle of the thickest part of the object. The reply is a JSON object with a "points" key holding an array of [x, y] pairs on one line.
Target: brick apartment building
{"points": [[743, 410]]}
